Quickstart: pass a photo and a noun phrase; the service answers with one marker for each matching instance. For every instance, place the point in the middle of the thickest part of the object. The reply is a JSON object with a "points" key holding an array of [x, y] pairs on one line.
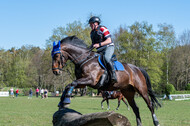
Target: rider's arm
{"points": [[107, 37], [106, 42]]}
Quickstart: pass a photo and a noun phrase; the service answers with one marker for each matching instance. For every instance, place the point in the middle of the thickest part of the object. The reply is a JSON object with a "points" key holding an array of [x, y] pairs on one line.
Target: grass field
{"points": [[22, 111]]}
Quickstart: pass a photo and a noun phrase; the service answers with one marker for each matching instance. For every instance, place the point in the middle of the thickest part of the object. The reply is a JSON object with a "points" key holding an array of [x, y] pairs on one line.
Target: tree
{"points": [[76, 28], [184, 39], [137, 45], [180, 66], [166, 36]]}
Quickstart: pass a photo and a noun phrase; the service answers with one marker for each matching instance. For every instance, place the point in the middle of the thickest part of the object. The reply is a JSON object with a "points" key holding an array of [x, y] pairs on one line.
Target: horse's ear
{"points": [[54, 44]]}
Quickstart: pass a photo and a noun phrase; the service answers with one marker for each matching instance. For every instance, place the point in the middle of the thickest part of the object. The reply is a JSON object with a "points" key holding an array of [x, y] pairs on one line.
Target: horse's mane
{"points": [[73, 40]]}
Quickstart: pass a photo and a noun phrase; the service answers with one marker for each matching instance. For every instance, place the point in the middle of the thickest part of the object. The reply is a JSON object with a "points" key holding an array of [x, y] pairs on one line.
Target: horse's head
{"points": [[70, 48], [59, 58]]}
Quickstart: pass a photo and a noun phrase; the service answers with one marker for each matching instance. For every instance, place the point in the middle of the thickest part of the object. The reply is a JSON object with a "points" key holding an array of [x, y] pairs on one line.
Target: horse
{"points": [[106, 95], [88, 72]]}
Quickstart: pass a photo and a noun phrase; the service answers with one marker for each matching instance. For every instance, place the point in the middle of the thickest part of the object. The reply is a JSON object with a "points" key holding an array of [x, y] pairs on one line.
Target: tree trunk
{"points": [[70, 117]]}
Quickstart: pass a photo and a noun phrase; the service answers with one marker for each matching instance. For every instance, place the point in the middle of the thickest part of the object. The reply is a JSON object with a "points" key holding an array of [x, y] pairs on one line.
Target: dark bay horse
{"points": [[106, 95], [88, 72]]}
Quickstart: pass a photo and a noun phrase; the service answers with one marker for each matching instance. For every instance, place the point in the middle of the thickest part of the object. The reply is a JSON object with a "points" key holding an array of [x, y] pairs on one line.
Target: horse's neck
{"points": [[77, 53]]}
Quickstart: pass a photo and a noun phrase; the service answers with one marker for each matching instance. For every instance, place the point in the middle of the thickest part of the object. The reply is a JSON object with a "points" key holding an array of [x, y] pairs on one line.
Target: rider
{"points": [[101, 38]]}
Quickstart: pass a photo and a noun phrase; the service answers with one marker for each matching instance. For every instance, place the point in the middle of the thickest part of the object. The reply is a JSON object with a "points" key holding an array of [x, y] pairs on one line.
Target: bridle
{"points": [[62, 63], [74, 60]]}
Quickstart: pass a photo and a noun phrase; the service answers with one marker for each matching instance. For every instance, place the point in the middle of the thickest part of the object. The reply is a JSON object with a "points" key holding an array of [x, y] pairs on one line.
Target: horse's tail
{"points": [[150, 91]]}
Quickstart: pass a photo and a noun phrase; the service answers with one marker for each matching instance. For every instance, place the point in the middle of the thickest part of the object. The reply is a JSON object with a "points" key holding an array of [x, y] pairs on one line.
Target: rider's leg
{"points": [[102, 80], [112, 72], [108, 55]]}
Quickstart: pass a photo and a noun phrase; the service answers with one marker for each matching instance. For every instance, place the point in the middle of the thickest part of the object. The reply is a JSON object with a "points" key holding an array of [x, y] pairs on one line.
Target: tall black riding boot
{"points": [[102, 80], [112, 72]]}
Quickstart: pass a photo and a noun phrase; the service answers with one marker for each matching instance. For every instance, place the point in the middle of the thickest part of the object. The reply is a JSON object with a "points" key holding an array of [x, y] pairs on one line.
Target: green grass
{"points": [[22, 111]]}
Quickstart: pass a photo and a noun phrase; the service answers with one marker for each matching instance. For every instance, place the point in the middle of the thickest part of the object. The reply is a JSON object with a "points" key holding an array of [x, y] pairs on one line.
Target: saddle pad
{"points": [[117, 65]]}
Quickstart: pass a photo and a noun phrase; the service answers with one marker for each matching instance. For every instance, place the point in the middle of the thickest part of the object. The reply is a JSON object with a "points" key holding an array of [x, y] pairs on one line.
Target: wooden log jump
{"points": [[70, 117]]}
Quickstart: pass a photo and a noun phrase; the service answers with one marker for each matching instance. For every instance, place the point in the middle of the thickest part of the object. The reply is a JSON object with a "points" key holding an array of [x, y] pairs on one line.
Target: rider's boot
{"points": [[102, 80], [112, 72]]}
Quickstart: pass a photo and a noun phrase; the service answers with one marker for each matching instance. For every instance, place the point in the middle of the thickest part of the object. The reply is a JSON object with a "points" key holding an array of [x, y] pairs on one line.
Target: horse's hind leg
{"points": [[102, 103], [151, 108], [145, 93], [129, 95]]}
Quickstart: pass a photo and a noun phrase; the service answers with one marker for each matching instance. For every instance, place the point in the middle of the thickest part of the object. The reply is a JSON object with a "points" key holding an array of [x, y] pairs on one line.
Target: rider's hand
{"points": [[96, 45]]}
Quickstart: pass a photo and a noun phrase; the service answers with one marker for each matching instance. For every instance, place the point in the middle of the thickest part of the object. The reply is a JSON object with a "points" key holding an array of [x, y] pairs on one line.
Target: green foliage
{"points": [[76, 28], [90, 91], [137, 45], [155, 51], [169, 89], [188, 87], [25, 91], [182, 92]]}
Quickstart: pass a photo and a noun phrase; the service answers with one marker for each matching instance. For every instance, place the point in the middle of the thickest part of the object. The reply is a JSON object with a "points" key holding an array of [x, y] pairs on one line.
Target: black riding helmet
{"points": [[94, 19]]}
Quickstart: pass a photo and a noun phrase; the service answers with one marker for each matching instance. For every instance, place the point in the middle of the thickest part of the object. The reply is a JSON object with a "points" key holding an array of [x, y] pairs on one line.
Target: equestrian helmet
{"points": [[94, 19]]}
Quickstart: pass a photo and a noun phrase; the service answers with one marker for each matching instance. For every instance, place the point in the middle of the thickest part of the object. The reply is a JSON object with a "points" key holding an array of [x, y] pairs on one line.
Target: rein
{"points": [[83, 61], [79, 63]]}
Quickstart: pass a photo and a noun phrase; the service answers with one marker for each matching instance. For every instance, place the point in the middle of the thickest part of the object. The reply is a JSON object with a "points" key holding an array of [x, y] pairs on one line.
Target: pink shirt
{"points": [[37, 90]]}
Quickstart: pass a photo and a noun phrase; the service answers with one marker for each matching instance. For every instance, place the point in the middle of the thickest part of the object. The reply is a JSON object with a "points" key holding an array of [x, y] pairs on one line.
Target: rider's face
{"points": [[93, 25]]}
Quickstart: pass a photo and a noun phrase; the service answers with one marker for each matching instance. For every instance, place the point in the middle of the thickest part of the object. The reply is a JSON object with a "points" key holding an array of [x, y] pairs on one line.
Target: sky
{"points": [[31, 22]]}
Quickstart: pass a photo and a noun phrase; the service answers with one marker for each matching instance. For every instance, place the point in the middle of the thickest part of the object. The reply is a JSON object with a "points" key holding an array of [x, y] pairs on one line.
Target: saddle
{"points": [[104, 81], [117, 65]]}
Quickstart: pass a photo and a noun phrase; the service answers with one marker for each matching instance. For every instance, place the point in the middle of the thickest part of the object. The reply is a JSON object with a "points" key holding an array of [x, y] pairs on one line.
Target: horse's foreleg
{"points": [[65, 98]]}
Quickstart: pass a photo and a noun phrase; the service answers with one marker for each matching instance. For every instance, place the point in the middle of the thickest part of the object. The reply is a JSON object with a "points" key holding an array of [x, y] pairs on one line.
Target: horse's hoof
{"points": [[63, 106], [66, 105], [60, 109]]}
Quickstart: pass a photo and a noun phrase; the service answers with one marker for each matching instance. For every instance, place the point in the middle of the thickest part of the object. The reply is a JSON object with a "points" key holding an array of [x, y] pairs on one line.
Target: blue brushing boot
{"points": [[67, 100]]}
